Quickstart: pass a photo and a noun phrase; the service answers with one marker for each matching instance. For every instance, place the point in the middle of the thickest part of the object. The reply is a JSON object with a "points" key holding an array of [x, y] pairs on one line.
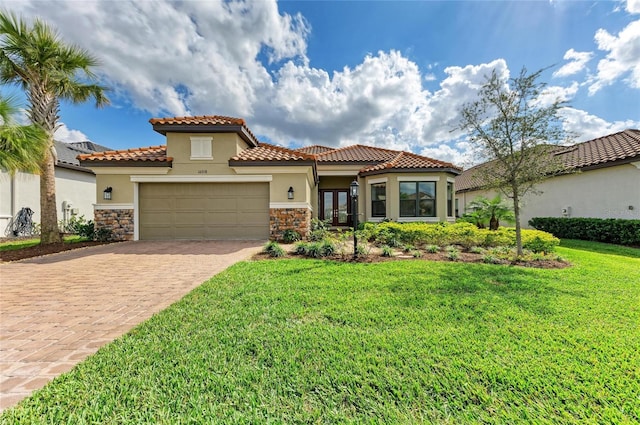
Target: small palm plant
{"points": [[483, 210]]}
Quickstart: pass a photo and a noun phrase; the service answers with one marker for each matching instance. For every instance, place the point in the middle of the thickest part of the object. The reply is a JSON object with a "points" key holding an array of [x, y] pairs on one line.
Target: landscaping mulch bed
{"points": [[464, 257], [39, 250]]}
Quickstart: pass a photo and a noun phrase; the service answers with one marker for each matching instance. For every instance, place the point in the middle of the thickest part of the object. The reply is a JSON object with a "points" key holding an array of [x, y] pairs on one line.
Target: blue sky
{"points": [[389, 74]]}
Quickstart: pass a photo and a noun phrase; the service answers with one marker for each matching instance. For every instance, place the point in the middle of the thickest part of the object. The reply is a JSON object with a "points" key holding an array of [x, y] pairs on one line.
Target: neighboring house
{"points": [[214, 180], [604, 182], [75, 187]]}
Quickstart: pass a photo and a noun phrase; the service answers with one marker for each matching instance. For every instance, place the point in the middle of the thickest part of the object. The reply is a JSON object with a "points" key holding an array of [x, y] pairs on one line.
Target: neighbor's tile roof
{"points": [[270, 153], [614, 147], [147, 154], [603, 151]]}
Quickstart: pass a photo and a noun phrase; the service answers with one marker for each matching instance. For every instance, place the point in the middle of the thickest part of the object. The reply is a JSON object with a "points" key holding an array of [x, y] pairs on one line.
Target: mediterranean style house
{"points": [[75, 187], [604, 182], [214, 180]]}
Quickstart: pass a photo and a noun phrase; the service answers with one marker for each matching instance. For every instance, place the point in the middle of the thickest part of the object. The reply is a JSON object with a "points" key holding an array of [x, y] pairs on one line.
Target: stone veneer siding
{"points": [[281, 219], [118, 221]]}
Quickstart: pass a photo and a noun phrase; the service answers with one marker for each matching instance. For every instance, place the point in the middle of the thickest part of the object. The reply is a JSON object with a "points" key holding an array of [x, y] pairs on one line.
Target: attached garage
{"points": [[203, 211]]}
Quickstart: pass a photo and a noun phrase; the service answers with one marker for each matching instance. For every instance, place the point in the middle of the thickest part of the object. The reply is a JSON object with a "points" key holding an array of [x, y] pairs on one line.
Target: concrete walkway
{"points": [[58, 309]]}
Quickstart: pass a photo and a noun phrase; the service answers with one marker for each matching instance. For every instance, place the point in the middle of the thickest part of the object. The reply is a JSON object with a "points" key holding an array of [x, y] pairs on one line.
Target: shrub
{"points": [[387, 251], [290, 236], [301, 248], [453, 253], [609, 230], [491, 259], [416, 253], [476, 250], [408, 248], [314, 250], [538, 241], [273, 249], [362, 250], [327, 248], [319, 229], [432, 249]]}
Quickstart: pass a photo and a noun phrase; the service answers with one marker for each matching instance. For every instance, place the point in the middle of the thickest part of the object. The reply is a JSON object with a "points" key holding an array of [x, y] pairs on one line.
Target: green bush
{"points": [[301, 248], [290, 236], [466, 235], [273, 249], [387, 251], [608, 230]]}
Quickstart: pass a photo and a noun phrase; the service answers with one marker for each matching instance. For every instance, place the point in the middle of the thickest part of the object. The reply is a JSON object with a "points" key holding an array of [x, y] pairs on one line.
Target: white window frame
{"points": [[201, 148]]}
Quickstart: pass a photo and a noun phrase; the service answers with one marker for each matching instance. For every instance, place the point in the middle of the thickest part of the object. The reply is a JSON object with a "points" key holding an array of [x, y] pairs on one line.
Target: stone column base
{"points": [[118, 222], [281, 219]]}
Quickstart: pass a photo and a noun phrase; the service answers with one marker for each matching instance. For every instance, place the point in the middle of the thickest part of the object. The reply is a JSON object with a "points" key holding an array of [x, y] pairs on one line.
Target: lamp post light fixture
{"points": [[290, 193], [106, 194], [355, 191]]}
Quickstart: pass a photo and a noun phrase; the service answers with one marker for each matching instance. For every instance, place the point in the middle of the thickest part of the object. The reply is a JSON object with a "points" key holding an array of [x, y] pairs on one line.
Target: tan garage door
{"points": [[204, 211]]}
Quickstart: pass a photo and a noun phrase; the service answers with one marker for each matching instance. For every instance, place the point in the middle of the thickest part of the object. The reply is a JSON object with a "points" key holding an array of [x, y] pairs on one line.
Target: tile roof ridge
{"points": [[194, 117], [284, 149]]}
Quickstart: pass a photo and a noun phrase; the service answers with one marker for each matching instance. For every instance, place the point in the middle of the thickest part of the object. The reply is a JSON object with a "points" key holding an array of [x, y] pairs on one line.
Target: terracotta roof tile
{"points": [[147, 154], [408, 160], [269, 153], [202, 121], [614, 147], [199, 120], [357, 154], [624, 145], [314, 149]]}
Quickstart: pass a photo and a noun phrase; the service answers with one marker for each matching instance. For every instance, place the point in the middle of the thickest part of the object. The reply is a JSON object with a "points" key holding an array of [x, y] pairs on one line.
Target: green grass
{"points": [[300, 341], [26, 243]]}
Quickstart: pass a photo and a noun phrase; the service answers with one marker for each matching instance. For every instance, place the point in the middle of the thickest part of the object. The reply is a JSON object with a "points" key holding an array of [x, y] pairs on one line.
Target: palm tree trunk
{"points": [[49, 231]]}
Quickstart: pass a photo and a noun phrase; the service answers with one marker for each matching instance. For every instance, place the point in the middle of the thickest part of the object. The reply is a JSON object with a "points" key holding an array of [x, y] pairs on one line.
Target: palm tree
{"points": [[48, 70], [492, 210], [21, 146]]}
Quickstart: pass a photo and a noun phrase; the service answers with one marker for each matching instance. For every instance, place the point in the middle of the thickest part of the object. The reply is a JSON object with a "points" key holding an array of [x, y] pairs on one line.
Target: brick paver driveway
{"points": [[57, 310]]}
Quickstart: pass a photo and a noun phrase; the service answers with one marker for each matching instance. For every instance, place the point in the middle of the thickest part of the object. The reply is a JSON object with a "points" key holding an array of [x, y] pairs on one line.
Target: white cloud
{"points": [[181, 58], [633, 6], [67, 135], [623, 58], [586, 126], [551, 94], [578, 63]]}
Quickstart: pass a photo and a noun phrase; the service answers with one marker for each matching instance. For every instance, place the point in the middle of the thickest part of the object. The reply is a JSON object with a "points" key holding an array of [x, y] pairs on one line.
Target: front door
{"points": [[335, 206]]}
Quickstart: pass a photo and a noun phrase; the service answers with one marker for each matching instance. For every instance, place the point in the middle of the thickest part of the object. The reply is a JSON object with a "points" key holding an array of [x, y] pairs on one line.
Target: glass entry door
{"points": [[335, 206]]}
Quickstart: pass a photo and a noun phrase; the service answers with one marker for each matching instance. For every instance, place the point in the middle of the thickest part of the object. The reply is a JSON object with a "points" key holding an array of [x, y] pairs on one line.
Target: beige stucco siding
{"points": [[601, 193], [223, 147], [393, 194], [23, 190]]}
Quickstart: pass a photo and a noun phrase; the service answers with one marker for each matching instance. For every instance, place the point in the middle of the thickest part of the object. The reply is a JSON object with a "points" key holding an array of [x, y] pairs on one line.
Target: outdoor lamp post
{"points": [[355, 191]]}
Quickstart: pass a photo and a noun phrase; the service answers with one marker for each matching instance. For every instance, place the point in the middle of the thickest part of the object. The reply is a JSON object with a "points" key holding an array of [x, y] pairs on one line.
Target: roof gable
{"points": [[205, 124]]}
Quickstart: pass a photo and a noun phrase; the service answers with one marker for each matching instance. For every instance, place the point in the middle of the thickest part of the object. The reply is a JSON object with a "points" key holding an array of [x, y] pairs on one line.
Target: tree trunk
{"points": [[516, 213], [494, 223], [49, 231]]}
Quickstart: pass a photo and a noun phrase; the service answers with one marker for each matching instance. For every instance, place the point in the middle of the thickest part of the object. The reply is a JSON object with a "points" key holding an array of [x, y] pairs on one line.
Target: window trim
{"points": [[450, 200], [417, 200], [383, 201]]}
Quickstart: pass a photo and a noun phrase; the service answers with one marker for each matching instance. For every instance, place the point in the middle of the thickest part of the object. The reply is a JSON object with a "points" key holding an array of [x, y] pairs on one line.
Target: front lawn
{"points": [[299, 341]]}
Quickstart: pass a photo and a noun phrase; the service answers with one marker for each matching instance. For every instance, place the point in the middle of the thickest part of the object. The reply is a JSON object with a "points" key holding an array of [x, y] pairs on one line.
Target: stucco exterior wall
{"points": [[601, 193], [393, 195], [23, 190], [223, 147]]}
